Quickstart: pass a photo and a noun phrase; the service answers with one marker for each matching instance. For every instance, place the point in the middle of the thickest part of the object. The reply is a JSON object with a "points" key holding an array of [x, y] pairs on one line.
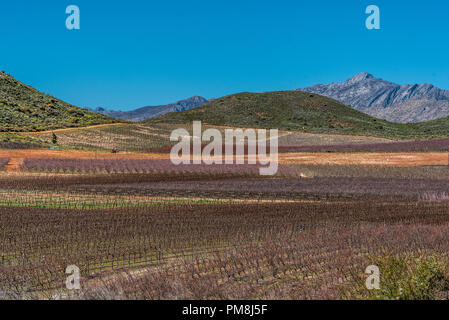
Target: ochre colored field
{"points": [[404, 159], [74, 154]]}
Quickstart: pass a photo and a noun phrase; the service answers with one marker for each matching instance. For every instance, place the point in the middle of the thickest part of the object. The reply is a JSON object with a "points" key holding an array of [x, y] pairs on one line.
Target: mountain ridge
{"points": [[388, 100], [149, 112]]}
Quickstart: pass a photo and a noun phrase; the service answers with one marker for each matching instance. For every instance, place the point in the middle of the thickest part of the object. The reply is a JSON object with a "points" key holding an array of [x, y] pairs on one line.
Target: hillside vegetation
{"points": [[23, 108], [301, 111]]}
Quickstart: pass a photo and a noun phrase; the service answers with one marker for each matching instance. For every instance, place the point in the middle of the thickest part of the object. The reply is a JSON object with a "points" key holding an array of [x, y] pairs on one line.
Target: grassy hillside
{"points": [[23, 108], [301, 111]]}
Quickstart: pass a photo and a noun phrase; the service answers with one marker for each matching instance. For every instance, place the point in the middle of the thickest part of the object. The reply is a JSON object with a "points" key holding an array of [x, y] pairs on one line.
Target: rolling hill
{"points": [[301, 111], [23, 108]]}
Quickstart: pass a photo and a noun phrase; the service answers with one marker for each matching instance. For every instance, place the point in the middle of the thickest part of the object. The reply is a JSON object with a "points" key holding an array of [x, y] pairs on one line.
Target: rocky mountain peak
{"points": [[387, 100], [360, 77]]}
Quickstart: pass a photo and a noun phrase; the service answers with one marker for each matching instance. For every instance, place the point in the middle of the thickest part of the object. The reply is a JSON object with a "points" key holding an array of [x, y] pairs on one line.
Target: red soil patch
{"points": [[14, 165], [74, 154]]}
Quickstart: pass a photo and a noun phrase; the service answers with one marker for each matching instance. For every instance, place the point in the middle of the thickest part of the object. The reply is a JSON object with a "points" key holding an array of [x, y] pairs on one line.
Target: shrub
{"points": [[406, 277]]}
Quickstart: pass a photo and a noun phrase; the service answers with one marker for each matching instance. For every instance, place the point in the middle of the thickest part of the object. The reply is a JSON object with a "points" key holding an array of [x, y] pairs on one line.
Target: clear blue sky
{"points": [[134, 53]]}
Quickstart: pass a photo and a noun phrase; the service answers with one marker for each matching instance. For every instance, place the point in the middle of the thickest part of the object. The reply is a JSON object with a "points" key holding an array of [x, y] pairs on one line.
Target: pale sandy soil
{"points": [[403, 159]]}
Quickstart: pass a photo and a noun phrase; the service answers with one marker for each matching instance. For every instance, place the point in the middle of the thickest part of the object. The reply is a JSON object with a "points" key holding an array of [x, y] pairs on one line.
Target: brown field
{"points": [[160, 232], [229, 251], [18, 156]]}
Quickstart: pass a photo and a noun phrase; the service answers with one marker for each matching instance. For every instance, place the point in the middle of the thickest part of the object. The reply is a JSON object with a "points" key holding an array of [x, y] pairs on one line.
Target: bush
{"points": [[406, 277]]}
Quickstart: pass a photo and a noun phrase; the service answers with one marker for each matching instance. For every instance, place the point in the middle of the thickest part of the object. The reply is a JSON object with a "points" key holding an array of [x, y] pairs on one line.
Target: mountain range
{"points": [[23, 108], [387, 100], [148, 112], [299, 111]]}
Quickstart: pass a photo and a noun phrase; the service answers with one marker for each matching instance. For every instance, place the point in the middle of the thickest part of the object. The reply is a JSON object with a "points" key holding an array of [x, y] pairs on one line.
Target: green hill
{"points": [[23, 108], [301, 111]]}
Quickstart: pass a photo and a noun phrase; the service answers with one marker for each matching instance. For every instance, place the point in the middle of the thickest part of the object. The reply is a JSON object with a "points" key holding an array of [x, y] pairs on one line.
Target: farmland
{"points": [[155, 137], [108, 200], [212, 157], [212, 251], [139, 227], [144, 137], [433, 145]]}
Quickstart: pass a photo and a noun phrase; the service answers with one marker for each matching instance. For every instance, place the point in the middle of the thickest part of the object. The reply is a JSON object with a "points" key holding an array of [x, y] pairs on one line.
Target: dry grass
{"points": [[403, 159]]}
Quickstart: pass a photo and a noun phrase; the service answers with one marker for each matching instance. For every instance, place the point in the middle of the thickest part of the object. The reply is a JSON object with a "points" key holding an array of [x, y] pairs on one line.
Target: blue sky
{"points": [[133, 53]]}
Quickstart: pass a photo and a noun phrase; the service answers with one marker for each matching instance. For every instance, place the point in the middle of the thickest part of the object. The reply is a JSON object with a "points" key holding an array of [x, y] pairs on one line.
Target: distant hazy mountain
{"points": [[387, 100], [154, 111]]}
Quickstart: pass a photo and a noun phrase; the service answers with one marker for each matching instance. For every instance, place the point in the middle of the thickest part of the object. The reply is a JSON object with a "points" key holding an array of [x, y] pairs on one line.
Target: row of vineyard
{"points": [[137, 166], [212, 251], [3, 162], [239, 185], [437, 145]]}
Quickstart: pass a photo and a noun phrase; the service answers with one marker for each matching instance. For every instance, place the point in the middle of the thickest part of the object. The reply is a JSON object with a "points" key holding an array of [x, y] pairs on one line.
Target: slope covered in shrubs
{"points": [[23, 108]]}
